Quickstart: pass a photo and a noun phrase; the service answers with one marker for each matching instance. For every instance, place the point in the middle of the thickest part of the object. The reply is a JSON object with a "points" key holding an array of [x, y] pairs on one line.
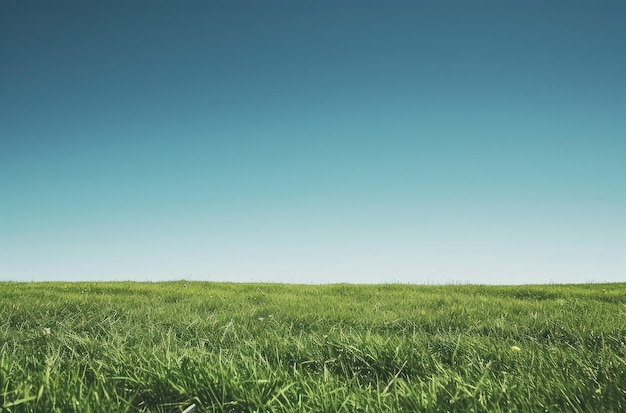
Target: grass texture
{"points": [[159, 347]]}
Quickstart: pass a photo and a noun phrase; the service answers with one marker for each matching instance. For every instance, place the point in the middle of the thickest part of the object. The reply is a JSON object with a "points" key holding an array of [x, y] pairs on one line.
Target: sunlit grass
{"points": [[127, 347]]}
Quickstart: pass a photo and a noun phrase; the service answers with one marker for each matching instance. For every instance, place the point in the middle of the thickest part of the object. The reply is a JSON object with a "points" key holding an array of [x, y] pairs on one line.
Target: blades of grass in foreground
{"points": [[161, 347]]}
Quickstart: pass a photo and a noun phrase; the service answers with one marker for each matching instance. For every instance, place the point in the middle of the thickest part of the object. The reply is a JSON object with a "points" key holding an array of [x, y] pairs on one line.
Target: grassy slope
{"points": [[115, 347]]}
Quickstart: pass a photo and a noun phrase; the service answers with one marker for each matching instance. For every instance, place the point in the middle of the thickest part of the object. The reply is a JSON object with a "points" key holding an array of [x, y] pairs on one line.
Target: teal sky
{"points": [[313, 141]]}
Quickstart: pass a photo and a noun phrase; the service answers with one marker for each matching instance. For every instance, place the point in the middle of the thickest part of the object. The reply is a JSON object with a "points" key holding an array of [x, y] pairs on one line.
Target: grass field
{"points": [[159, 347]]}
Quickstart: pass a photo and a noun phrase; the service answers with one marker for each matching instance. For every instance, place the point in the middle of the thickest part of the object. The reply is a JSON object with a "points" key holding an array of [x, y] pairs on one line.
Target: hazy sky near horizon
{"points": [[313, 141]]}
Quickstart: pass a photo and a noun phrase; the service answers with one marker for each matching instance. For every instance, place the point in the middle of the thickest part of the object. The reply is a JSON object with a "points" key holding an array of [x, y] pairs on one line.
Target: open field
{"points": [[159, 347]]}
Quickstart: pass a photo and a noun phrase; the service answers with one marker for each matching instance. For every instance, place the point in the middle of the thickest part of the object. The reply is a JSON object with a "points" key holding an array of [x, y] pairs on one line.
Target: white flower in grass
{"points": [[261, 318], [46, 331]]}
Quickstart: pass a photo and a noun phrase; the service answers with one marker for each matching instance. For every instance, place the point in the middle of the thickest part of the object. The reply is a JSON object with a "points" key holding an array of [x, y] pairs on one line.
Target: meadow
{"points": [[160, 347]]}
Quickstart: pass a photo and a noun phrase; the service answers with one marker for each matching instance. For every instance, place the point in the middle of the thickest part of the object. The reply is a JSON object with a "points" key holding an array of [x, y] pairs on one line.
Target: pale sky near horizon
{"points": [[313, 141]]}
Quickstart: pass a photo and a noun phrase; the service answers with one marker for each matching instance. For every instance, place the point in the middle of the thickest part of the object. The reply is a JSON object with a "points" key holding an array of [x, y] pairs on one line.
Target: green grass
{"points": [[158, 347]]}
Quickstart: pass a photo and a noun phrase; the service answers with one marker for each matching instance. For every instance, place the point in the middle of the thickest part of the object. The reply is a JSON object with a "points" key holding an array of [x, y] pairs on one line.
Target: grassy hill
{"points": [[159, 347]]}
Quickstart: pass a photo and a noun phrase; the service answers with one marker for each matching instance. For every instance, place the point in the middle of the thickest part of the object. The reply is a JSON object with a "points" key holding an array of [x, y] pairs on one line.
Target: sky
{"points": [[313, 141]]}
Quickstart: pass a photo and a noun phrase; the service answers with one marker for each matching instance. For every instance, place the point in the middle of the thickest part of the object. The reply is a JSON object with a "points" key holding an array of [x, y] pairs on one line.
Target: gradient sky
{"points": [[313, 141]]}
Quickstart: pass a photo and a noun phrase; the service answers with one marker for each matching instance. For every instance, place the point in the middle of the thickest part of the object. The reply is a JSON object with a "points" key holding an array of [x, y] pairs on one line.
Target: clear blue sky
{"points": [[313, 141]]}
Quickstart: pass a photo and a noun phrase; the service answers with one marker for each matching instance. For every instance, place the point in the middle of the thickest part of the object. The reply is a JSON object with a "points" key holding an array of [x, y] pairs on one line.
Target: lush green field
{"points": [[116, 347]]}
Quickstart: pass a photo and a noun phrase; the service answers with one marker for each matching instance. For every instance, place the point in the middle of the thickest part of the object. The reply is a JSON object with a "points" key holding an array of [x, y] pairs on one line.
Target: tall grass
{"points": [[159, 347]]}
